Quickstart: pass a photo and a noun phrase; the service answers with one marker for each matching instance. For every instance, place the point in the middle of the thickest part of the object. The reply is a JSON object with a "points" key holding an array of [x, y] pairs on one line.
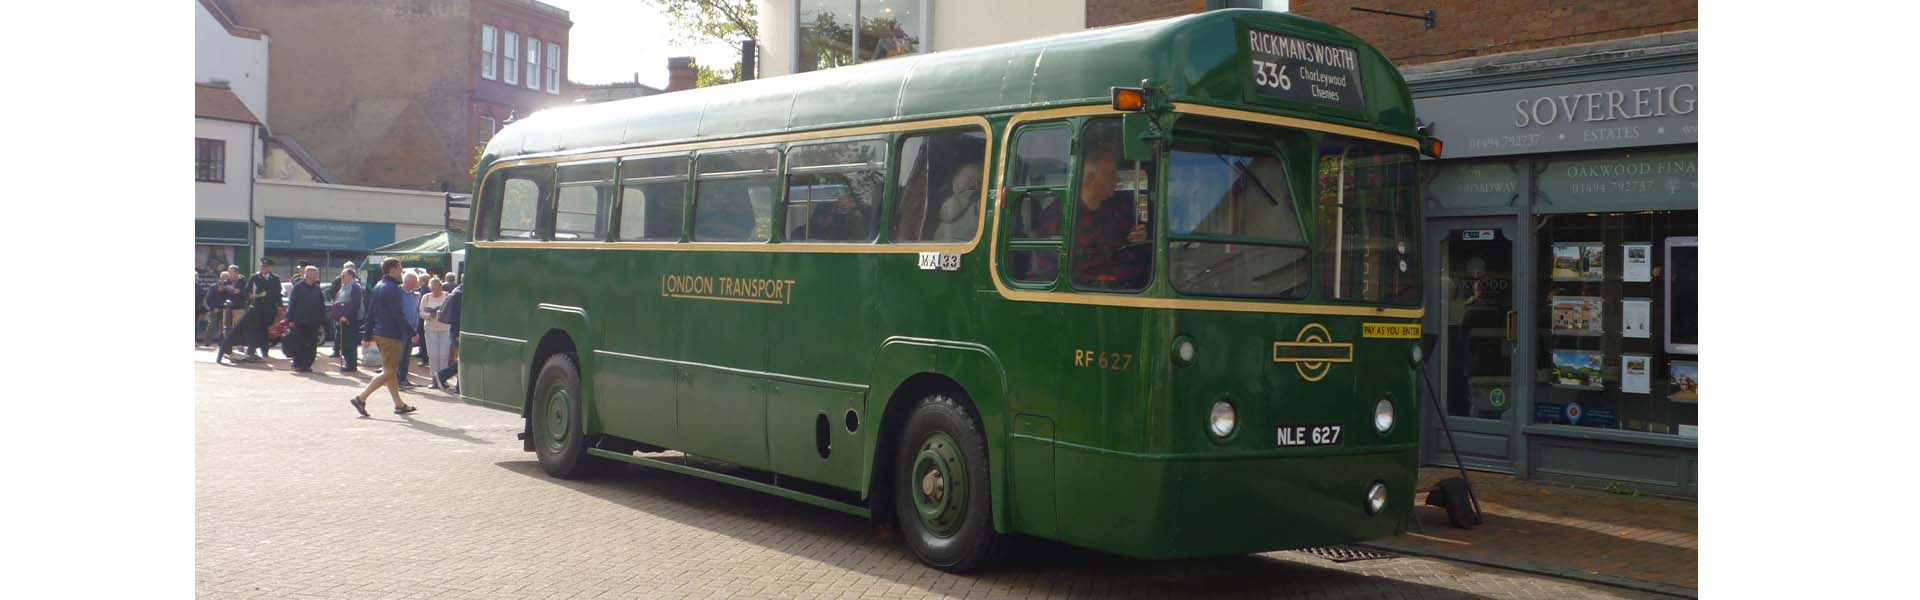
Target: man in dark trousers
{"points": [[450, 314], [350, 308], [307, 310], [262, 294]]}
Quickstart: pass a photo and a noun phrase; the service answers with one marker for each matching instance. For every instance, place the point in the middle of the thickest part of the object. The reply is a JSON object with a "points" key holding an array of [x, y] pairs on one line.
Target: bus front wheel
{"points": [[940, 486], [557, 438]]}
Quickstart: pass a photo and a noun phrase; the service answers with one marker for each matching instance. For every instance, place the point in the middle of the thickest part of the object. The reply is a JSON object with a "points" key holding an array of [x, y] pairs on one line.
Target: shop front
{"points": [[1563, 222], [322, 243], [218, 244]]}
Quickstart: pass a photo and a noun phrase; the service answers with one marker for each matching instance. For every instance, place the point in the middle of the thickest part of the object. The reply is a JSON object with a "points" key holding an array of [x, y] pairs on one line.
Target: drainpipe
{"points": [[253, 173]]}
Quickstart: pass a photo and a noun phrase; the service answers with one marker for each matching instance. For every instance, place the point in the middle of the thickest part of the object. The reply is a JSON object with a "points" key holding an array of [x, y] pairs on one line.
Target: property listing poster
{"points": [[1635, 315], [1579, 369], [1579, 261], [1683, 381], [1638, 265], [1636, 373], [1576, 315]]}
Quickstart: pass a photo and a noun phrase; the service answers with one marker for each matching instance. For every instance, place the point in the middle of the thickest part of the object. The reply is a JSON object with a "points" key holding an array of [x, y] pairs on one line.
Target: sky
{"points": [[612, 40]]}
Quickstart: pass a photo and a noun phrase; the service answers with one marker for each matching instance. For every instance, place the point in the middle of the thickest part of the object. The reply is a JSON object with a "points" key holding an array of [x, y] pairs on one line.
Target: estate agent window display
{"points": [[1617, 322]]}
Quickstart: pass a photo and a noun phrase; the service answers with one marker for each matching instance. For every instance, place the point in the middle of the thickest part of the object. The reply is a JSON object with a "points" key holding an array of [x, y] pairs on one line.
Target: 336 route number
{"points": [[1269, 74]]}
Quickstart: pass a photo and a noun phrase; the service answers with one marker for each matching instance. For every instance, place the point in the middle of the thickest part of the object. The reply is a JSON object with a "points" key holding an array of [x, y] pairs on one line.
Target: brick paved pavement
{"points": [[1561, 529], [299, 498]]}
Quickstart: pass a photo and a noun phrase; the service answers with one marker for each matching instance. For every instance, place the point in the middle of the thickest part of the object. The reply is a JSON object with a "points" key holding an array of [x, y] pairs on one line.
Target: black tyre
{"points": [[940, 487], [556, 422]]}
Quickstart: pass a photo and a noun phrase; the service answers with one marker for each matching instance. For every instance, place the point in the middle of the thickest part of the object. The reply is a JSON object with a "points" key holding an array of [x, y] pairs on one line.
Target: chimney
{"points": [[681, 73]]}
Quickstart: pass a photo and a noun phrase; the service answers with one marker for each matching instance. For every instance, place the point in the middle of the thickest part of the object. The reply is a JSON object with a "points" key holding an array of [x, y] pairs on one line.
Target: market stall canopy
{"points": [[432, 251]]}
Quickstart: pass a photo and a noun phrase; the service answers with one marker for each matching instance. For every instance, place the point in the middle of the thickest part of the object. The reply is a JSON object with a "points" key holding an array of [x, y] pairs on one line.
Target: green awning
{"points": [[438, 242], [430, 251]]}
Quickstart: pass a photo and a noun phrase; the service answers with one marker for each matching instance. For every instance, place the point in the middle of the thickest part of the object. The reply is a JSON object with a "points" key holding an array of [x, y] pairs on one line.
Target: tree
{"points": [[706, 21]]}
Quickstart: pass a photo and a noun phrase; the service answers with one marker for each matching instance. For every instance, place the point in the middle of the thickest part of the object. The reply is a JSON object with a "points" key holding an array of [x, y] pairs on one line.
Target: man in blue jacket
{"points": [[386, 325]]}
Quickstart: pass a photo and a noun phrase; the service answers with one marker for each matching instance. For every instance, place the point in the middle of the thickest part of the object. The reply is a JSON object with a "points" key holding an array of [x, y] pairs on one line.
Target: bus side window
{"points": [[833, 191], [585, 201], [1039, 177], [520, 193], [734, 195], [653, 198], [937, 194]]}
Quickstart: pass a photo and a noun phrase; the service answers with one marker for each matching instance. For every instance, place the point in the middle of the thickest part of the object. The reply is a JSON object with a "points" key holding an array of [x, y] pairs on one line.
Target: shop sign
{"points": [[1637, 180], [1619, 113], [1475, 184], [313, 234]]}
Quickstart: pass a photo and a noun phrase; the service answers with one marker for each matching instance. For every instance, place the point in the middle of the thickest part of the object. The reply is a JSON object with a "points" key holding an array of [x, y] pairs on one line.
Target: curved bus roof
{"points": [[1202, 59]]}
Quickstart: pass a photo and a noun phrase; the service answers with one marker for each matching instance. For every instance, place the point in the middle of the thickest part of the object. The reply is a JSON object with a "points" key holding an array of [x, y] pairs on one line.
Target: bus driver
{"points": [[1111, 236]]}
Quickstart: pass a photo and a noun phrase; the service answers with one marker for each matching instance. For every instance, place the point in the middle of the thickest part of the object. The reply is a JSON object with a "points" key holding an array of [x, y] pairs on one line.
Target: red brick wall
{"points": [[1101, 13], [1468, 28]]}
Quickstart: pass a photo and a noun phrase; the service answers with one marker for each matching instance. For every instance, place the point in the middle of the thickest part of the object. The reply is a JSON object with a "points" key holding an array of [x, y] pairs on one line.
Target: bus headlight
{"points": [[1383, 415], [1376, 498], [1222, 421], [1183, 351]]}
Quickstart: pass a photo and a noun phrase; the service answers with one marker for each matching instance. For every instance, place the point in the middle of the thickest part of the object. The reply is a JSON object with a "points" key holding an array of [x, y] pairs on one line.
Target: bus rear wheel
{"points": [[940, 487], [556, 424]]}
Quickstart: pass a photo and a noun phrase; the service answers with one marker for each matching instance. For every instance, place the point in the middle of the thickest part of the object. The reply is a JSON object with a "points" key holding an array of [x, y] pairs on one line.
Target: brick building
{"points": [[399, 93]]}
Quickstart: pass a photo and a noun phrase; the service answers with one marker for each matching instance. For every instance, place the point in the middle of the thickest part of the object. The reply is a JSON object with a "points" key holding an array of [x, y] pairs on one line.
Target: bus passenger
{"points": [[959, 214], [1111, 239], [844, 221]]}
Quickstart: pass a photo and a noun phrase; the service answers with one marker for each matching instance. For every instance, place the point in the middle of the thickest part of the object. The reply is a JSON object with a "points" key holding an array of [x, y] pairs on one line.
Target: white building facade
{"points": [[805, 35], [230, 109], [327, 224]]}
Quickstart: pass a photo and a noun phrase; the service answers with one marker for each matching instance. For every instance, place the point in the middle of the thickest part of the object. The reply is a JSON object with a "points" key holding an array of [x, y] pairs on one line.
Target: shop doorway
{"points": [[1476, 363]]}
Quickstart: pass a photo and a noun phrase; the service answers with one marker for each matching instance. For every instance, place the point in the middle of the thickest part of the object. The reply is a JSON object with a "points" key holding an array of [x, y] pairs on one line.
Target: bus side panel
{"points": [[822, 330], [497, 309], [723, 411], [976, 369], [635, 392]]}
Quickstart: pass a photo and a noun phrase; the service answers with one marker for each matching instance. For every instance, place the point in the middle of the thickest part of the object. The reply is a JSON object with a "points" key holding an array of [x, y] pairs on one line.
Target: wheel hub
{"points": [[940, 499], [559, 412]]}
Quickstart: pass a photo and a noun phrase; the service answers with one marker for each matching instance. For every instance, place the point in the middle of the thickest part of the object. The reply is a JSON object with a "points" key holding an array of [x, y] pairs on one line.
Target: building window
{"points": [[553, 68], [828, 36], [510, 65], [210, 160], [487, 127], [1617, 333], [533, 63], [488, 53]]}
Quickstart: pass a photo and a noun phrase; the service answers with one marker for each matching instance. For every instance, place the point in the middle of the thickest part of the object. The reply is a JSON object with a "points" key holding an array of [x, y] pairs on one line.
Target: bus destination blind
{"points": [[1305, 71]]}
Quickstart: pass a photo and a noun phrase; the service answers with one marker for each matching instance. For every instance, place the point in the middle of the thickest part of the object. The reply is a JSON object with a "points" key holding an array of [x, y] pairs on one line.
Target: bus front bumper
{"points": [[1149, 507]]}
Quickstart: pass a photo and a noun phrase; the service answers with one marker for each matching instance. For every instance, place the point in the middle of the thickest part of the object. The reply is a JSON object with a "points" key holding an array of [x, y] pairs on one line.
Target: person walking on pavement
{"points": [[386, 325], [348, 310], [436, 330], [450, 314], [410, 308], [307, 310]]}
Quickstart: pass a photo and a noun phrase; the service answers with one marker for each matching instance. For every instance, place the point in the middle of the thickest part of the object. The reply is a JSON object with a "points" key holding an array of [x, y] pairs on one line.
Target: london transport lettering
{"points": [[1305, 71], [732, 289]]}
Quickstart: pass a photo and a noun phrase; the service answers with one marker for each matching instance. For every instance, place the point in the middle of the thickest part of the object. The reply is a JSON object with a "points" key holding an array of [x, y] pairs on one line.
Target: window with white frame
{"points": [[553, 68], [487, 127], [533, 63], [489, 58], [510, 66]]}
